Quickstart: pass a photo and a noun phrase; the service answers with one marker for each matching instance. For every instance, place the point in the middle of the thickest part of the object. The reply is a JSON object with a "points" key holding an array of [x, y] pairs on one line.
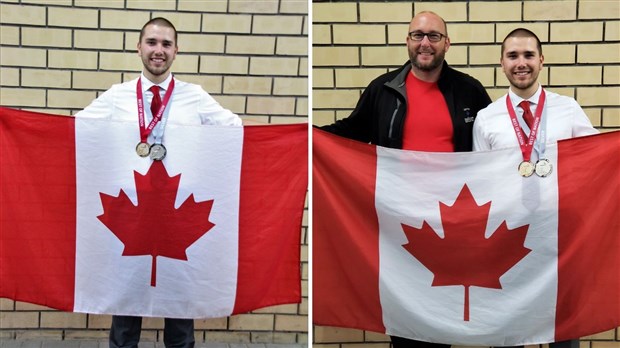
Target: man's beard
{"points": [[156, 70], [437, 61], [523, 85]]}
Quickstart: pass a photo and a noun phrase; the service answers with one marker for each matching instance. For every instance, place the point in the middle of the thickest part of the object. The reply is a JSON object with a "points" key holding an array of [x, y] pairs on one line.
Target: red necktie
{"points": [[527, 113], [156, 102]]}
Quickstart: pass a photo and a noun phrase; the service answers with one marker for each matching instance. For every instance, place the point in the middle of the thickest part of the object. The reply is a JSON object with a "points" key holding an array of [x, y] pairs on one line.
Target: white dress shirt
{"points": [[189, 104], [562, 118]]}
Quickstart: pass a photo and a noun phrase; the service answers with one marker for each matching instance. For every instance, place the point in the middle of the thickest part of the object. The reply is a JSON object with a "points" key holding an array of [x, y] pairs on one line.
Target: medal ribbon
{"points": [[526, 147], [145, 131]]}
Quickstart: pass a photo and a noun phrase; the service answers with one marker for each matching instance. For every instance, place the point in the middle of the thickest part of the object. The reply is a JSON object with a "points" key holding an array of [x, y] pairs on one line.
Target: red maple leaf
{"points": [[155, 227], [464, 256]]}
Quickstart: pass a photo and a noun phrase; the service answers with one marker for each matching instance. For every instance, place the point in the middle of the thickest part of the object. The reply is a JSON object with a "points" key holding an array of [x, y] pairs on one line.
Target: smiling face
{"points": [[426, 56], [522, 62], [157, 49]]}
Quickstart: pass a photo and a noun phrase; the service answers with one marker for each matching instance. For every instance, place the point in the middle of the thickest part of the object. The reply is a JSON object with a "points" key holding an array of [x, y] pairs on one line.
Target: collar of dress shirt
{"points": [[146, 83], [516, 100]]}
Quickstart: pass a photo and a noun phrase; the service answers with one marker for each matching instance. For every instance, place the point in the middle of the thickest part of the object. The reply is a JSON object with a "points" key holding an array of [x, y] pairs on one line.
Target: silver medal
{"points": [[158, 152], [543, 167]]}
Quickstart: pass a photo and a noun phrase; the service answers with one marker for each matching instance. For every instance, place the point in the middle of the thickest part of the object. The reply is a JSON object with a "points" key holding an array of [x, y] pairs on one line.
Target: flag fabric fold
{"points": [[89, 226], [458, 248]]}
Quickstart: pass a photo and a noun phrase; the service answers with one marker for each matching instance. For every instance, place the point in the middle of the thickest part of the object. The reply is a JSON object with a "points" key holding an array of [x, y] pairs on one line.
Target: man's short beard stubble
{"points": [[155, 71], [522, 85], [434, 64]]}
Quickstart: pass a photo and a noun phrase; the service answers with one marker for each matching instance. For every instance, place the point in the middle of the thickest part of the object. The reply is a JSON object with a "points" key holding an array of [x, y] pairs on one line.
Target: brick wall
{"points": [[56, 56], [355, 41]]}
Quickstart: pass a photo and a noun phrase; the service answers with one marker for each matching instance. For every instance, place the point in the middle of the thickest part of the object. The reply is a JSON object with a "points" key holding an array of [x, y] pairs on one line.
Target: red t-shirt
{"points": [[428, 126]]}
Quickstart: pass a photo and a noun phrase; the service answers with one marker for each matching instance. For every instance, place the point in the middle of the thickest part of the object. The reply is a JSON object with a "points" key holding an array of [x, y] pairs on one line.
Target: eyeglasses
{"points": [[432, 36]]}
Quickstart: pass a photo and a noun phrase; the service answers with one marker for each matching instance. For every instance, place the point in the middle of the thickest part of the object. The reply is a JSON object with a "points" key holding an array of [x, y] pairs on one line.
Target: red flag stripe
{"points": [[347, 205], [37, 171], [266, 275], [588, 274]]}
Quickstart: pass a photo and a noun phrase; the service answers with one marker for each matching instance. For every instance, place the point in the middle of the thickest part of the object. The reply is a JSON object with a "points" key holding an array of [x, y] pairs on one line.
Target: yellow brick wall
{"points": [[56, 56], [355, 41]]}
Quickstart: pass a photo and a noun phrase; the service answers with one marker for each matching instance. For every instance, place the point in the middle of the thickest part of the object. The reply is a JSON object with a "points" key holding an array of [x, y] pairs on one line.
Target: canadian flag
{"points": [[89, 226], [458, 248]]}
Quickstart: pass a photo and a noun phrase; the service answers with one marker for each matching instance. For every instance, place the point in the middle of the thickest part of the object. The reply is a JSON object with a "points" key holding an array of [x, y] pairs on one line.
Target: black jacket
{"points": [[379, 116]]}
